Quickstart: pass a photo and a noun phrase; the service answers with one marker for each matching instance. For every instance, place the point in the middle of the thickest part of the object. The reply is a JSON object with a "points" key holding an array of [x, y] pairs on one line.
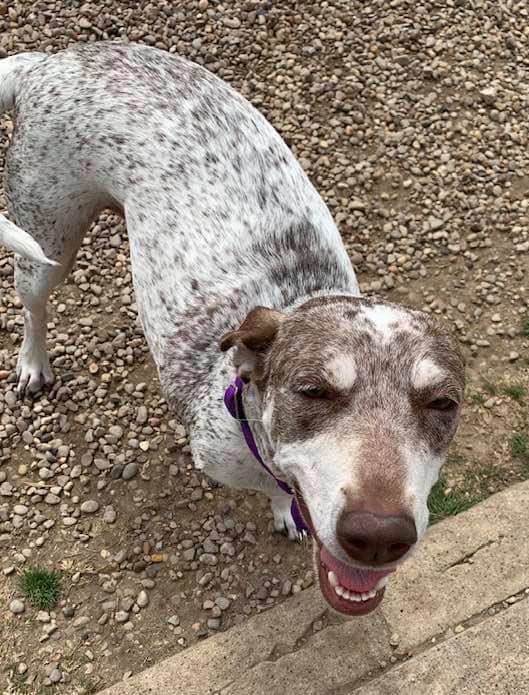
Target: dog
{"points": [[342, 408]]}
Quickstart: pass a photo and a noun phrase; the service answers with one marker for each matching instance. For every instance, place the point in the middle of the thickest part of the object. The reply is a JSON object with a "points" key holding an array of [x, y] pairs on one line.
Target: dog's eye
{"points": [[444, 405], [314, 392]]}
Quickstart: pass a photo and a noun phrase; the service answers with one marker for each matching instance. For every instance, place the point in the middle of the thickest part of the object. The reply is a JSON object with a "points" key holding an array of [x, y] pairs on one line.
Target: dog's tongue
{"points": [[352, 578]]}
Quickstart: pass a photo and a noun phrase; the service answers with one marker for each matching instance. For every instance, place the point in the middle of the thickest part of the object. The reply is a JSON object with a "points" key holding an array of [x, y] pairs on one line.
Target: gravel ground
{"points": [[412, 120]]}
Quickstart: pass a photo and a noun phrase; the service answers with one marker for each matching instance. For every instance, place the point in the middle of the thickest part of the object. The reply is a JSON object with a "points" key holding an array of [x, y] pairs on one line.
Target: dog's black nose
{"points": [[375, 539]]}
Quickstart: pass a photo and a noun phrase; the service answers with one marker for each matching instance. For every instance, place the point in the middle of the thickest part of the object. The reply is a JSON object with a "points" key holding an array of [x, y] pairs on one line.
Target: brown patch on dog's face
{"points": [[384, 470]]}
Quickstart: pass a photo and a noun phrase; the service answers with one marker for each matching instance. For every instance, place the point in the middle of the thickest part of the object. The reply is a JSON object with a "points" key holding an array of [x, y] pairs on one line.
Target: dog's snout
{"points": [[375, 539]]}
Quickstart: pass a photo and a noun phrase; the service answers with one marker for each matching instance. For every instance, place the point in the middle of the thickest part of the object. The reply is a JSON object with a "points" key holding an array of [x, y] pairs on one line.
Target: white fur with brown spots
{"points": [[352, 401]]}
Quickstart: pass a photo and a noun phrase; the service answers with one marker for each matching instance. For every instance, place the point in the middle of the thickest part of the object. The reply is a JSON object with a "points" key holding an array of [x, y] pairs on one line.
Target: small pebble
{"points": [[129, 471], [55, 675], [17, 606], [143, 599], [89, 507]]}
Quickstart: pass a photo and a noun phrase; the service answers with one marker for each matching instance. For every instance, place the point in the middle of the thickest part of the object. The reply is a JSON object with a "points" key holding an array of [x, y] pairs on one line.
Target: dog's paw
{"points": [[283, 521], [33, 372]]}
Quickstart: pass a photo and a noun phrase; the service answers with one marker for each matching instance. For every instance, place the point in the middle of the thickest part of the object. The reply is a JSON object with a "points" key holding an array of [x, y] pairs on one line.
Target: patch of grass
{"points": [[525, 326], [490, 388], [515, 391], [41, 587], [520, 446], [442, 504], [478, 398]]}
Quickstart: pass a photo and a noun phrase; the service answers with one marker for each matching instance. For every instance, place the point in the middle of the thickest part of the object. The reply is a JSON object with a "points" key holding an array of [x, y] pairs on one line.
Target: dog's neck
{"points": [[253, 411]]}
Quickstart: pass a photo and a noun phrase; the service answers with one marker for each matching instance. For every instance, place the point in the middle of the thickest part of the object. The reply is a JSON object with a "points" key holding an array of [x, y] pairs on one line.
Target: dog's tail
{"points": [[11, 236], [11, 69], [19, 241]]}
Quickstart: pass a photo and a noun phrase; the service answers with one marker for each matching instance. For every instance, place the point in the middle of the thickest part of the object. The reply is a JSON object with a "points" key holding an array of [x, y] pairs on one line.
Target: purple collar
{"points": [[234, 404]]}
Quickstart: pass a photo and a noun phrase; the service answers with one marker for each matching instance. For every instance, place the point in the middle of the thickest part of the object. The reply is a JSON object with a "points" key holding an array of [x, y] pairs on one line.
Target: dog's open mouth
{"points": [[347, 589]]}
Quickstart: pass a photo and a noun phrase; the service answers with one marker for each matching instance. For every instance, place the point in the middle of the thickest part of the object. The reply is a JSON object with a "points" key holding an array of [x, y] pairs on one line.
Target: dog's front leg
{"points": [[281, 508]]}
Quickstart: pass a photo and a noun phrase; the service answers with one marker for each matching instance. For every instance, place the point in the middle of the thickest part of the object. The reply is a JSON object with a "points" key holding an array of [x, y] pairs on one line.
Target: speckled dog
{"points": [[352, 403]]}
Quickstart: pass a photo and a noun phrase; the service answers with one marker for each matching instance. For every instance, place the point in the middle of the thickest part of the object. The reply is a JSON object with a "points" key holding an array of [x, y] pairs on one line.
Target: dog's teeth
{"points": [[333, 579], [353, 596], [381, 583], [367, 595]]}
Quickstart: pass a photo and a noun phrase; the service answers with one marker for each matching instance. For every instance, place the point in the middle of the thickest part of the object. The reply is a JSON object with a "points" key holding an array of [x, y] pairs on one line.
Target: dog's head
{"points": [[360, 400]]}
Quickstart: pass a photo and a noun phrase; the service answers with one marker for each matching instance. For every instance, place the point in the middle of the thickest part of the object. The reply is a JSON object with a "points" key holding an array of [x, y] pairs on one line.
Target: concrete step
{"points": [[465, 566], [491, 657]]}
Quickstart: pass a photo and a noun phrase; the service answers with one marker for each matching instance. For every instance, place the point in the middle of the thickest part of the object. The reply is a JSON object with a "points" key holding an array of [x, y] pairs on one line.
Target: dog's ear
{"points": [[252, 339]]}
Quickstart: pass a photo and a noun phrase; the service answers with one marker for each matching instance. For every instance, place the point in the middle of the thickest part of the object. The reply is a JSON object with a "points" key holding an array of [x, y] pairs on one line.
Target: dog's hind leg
{"points": [[59, 232], [33, 283]]}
